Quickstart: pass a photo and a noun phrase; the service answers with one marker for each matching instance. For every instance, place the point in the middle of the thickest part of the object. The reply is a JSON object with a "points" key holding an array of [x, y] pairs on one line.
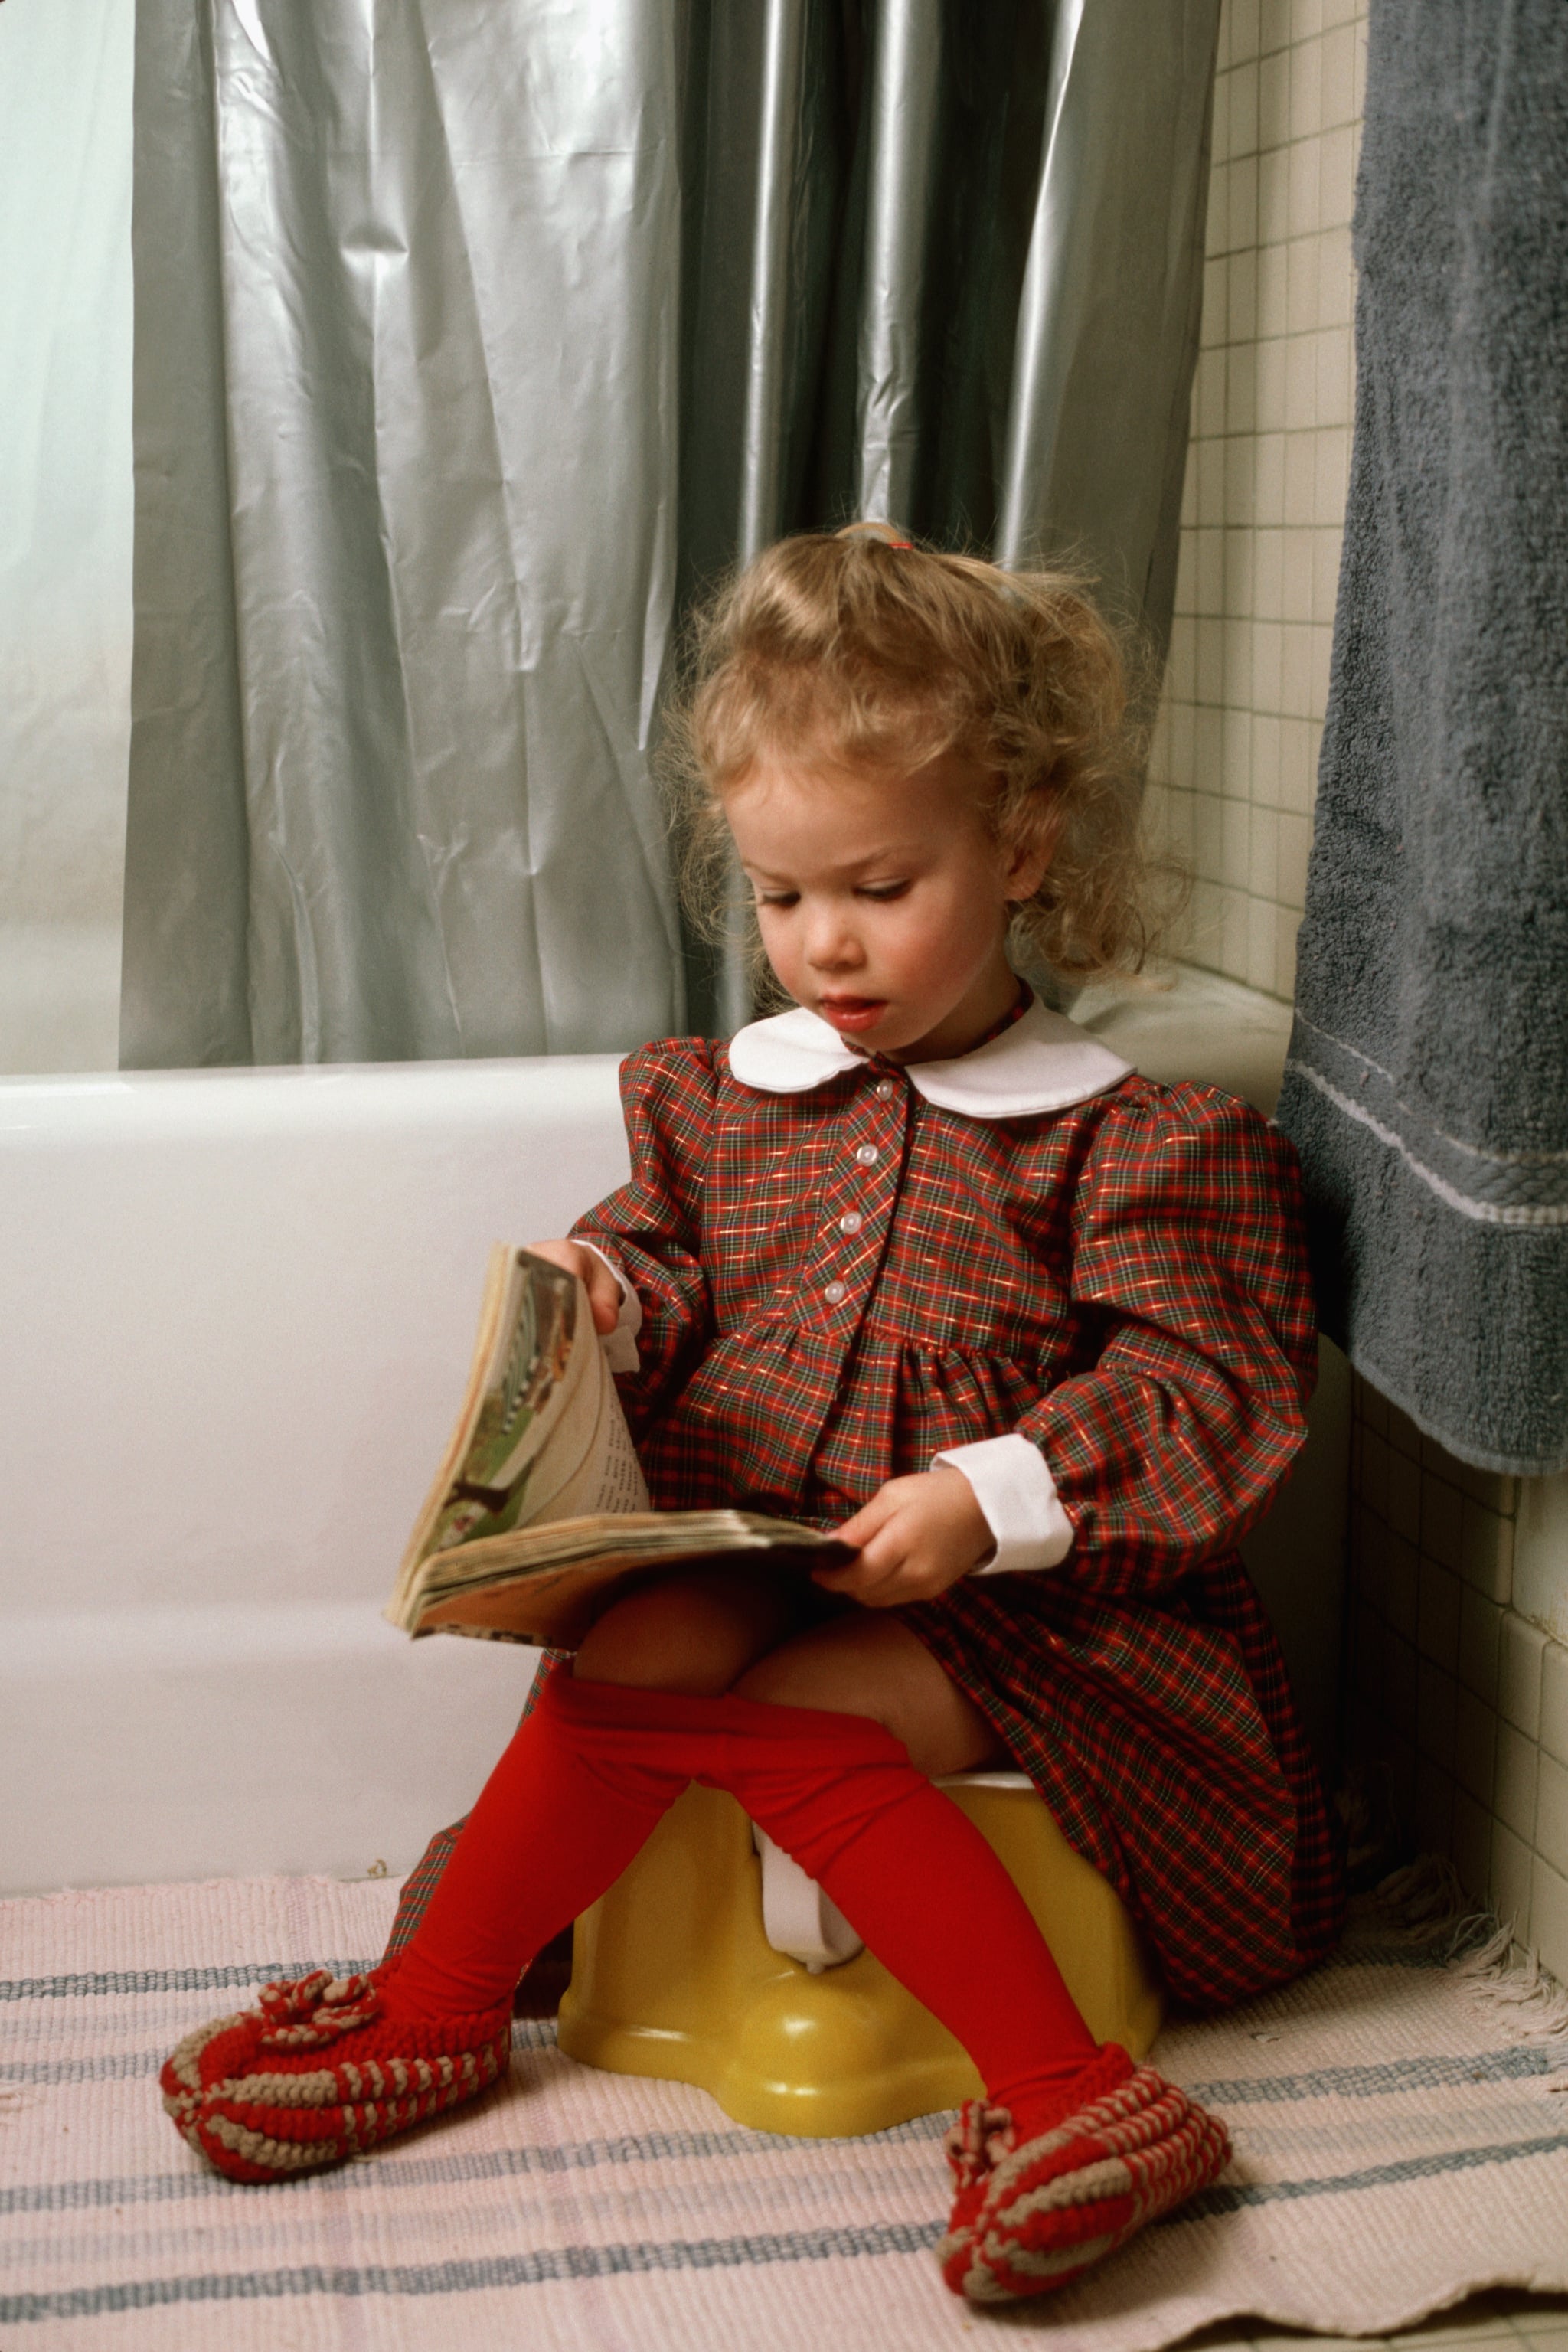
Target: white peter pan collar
{"points": [[1040, 1062]]}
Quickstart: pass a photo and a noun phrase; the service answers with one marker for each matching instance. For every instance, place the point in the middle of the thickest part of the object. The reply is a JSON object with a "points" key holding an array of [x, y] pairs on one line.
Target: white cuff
{"points": [[1016, 1491], [620, 1345]]}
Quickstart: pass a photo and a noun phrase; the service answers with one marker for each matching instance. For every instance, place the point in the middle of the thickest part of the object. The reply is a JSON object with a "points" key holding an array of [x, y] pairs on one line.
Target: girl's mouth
{"points": [[852, 1012]]}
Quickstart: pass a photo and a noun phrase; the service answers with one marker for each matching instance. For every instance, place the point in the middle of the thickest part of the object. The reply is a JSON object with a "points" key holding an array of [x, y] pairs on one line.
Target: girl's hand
{"points": [[915, 1536], [604, 1291]]}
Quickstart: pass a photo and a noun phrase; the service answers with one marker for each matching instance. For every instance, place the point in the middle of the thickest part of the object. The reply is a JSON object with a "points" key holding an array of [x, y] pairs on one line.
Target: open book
{"points": [[539, 1506]]}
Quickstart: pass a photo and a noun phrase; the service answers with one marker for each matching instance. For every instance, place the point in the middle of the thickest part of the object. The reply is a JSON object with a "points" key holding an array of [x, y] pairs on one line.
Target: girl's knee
{"points": [[691, 1634], [870, 1664], [819, 1671]]}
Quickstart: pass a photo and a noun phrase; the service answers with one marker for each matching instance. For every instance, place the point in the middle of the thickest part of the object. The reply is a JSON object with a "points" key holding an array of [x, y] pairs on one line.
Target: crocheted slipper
{"points": [[1027, 2219], [259, 2096]]}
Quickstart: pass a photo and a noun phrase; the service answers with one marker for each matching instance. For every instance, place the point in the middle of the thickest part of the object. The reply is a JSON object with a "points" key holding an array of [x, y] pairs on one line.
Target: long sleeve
{"points": [[650, 1229], [1189, 1281]]}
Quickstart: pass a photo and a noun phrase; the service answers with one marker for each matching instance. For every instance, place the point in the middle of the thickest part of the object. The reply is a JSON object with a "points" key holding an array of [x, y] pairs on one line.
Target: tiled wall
{"points": [[1236, 752], [1455, 1691], [1457, 1696]]}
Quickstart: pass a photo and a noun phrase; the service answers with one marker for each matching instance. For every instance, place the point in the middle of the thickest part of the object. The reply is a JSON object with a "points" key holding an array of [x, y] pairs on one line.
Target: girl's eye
{"points": [[880, 893], [777, 898]]}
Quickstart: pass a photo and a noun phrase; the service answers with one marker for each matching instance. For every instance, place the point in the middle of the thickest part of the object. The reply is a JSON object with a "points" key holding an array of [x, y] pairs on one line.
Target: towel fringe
{"points": [[1423, 1906]]}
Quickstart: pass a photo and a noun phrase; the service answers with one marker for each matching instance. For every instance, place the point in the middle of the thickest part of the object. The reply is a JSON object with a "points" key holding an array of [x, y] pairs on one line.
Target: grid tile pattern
{"points": [[1460, 1699], [1455, 1694], [1233, 762]]}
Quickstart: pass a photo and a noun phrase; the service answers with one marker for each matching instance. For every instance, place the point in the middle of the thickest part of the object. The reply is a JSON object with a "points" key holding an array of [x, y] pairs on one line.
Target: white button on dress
{"points": [[885, 1090], [835, 1292], [850, 1221], [867, 1155]]}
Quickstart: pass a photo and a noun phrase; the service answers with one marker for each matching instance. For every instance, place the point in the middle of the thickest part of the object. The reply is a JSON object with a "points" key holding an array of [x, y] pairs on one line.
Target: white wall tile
{"points": [[1295, 843], [1307, 117], [1331, 457], [1332, 356], [1269, 473], [1295, 567], [1296, 670], [1513, 1797], [1240, 553], [1437, 1632], [1552, 1812], [1298, 765], [1263, 867], [1401, 1584], [1301, 253], [1262, 959], [1274, 253], [1241, 389], [1480, 1630], [1520, 1676], [1274, 31], [1263, 499], [1243, 28], [1236, 754], [1471, 1842], [1486, 1550], [1244, 203], [1219, 129], [1336, 281], [1336, 179], [1300, 479], [1337, 77], [1549, 1917], [1475, 1746], [1554, 1701], [1326, 547]]}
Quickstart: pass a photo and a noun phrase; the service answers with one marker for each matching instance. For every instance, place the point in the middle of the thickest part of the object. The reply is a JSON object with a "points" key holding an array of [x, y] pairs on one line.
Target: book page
{"points": [[590, 1466]]}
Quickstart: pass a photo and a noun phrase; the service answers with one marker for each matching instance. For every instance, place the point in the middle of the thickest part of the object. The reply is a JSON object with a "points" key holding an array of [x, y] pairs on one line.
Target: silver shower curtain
{"points": [[471, 340]]}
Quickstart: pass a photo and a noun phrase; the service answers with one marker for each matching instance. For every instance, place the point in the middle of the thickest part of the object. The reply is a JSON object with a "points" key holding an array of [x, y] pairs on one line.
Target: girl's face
{"points": [[883, 897]]}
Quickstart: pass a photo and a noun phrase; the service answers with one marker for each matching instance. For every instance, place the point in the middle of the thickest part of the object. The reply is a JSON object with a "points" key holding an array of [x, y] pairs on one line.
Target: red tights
{"points": [[596, 1766]]}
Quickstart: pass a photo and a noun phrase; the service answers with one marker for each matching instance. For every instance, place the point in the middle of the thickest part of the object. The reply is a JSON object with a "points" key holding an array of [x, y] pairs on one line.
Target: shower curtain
{"points": [[470, 343]]}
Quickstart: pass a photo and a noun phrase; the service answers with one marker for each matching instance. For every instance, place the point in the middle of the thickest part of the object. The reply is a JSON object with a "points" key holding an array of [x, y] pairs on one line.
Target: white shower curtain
{"points": [[64, 525]]}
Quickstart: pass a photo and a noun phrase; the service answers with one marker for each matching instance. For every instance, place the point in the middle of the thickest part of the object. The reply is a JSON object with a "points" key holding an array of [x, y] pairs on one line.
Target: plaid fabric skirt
{"points": [[1166, 1744]]}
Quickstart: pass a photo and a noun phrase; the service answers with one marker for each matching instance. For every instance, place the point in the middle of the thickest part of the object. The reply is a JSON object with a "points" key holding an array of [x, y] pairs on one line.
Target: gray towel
{"points": [[1427, 1084]]}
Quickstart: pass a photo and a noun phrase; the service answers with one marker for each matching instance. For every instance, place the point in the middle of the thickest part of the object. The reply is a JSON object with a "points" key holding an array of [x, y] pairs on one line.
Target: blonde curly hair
{"points": [[886, 654]]}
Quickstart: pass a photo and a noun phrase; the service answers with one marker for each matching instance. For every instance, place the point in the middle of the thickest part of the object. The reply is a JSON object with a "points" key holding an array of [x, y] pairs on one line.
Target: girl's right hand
{"points": [[604, 1291]]}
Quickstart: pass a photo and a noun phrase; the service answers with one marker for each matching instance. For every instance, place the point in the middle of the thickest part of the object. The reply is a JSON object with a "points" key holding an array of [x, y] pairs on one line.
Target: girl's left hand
{"points": [[915, 1536]]}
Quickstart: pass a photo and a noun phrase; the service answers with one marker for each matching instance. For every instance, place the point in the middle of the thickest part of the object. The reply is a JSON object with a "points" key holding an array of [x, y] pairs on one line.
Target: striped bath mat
{"points": [[1400, 2142]]}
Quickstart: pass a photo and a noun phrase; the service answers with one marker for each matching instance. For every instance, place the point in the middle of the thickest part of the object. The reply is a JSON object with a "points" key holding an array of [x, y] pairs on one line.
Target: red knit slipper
{"points": [[256, 2094], [983, 2136], [1028, 2219]]}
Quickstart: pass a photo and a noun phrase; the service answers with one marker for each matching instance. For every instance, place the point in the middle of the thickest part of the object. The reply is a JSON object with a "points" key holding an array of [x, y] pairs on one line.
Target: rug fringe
{"points": [[1424, 1904]]}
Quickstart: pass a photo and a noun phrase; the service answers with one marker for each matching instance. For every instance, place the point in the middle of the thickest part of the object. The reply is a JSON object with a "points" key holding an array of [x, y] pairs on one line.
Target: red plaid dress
{"points": [[1121, 1281]]}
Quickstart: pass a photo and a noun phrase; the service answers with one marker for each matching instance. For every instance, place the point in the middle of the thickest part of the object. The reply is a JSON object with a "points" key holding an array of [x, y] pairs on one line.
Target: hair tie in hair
{"points": [[886, 534]]}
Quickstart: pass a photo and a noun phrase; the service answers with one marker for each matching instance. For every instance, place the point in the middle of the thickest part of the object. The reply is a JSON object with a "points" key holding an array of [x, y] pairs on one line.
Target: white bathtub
{"points": [[238, 1308]]}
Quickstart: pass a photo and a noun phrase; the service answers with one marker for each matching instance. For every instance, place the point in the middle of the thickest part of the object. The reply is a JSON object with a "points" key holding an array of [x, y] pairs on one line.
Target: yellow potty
{"points": [[672, 1975]]}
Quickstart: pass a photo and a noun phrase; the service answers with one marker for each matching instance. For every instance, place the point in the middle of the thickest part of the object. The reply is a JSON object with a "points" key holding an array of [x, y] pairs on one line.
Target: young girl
{"points": [[918, 1260]]}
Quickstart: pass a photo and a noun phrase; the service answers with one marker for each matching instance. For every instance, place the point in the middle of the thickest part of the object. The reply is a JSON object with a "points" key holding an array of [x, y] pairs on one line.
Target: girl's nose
{"points": [[831, 944]]}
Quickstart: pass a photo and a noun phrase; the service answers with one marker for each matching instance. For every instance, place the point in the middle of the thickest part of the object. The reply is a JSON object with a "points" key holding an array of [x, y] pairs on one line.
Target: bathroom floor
{"points": [[1401, 2146]]}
